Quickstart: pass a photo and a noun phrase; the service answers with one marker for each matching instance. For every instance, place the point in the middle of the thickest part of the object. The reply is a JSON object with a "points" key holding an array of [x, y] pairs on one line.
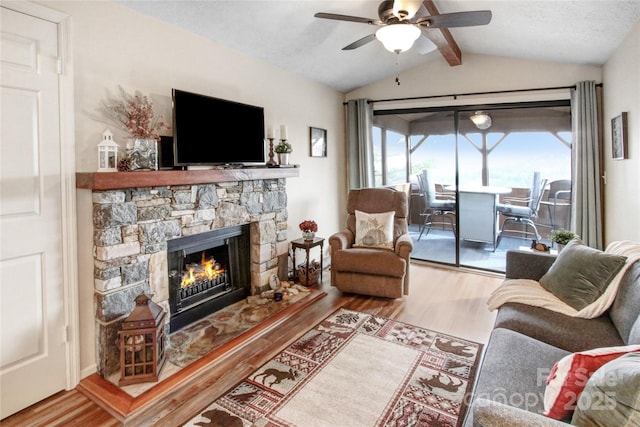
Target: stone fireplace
{"points": [[134, 225]]}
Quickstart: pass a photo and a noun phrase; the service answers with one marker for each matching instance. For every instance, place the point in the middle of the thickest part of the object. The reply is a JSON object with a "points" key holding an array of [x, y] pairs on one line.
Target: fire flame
{"points": [[208, 269]]}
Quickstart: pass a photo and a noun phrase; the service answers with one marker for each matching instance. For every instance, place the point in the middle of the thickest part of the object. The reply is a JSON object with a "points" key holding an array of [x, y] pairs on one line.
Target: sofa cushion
{"points": [[514, 370], [634, 334], [570, 374], [581, 274], [558, 329], [612, 394], [625, 310], [374, 230]]}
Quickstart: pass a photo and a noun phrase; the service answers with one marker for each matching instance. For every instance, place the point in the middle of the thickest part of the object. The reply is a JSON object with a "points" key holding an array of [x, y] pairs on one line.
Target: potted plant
{"points": [[283, 149], [562, 237]]}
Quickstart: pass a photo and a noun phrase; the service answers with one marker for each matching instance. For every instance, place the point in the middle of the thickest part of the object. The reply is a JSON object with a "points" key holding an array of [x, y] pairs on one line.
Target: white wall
{"points": [[622, 93], [114, 45], [478, 73]]}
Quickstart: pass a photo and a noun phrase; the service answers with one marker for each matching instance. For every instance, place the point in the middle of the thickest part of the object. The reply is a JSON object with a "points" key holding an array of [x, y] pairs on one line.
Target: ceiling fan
{"points": [[402, 22]]}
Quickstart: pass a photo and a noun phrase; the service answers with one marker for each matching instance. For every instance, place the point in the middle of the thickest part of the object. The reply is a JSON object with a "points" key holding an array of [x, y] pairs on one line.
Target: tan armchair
{"points": [[372, 270]]}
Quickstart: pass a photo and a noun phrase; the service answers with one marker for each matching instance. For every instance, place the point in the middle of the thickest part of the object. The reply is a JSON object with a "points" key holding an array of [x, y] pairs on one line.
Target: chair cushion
{"points": [[514, 210], [581, 274], [443, 205], [369, 261], [374, 230]]}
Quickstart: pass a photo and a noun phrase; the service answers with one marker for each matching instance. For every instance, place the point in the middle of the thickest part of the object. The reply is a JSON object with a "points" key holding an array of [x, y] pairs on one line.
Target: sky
{"points": [[511, 163]]}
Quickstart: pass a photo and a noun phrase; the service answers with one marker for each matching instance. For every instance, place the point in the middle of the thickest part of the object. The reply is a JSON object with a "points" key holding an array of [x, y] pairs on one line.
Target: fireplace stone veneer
{"points": [[132, 227]]}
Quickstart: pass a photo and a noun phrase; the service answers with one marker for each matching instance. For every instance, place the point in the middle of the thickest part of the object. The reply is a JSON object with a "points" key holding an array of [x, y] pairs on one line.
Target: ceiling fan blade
{"points": [[356, 44], [456, 19], [348, 18]]}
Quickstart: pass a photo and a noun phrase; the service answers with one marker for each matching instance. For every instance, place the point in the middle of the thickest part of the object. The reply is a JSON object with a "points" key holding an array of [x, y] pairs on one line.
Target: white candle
{"points": [[270, 132], [283, 131]]}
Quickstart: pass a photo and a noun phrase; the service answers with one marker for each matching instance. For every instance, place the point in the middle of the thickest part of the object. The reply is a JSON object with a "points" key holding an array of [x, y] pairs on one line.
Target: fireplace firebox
{"points": [[207, 272]]}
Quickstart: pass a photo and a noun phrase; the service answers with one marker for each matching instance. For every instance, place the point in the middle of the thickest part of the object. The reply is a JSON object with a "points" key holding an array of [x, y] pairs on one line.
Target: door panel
{"points": [[19, 186], [33, 355], [433, 148], [22, 280]]}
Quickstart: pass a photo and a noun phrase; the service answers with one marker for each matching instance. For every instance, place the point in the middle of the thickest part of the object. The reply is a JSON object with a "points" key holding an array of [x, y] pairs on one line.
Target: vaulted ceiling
{"points": [[286, 33]]}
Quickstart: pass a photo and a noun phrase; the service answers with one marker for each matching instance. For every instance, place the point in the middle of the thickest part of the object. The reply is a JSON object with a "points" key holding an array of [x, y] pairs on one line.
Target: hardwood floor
{"points": [[446, 300]]}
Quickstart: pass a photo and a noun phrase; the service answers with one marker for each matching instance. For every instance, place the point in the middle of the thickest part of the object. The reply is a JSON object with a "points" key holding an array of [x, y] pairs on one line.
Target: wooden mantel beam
{"points": [[442, 38], [139, 179]]}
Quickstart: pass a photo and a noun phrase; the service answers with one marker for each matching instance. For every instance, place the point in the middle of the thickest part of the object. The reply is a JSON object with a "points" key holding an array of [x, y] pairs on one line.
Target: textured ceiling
{"points": [[286, 34]]}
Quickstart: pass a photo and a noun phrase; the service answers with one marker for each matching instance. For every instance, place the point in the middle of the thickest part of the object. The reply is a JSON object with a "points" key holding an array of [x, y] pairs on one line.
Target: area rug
{"points": [[355, 370]]}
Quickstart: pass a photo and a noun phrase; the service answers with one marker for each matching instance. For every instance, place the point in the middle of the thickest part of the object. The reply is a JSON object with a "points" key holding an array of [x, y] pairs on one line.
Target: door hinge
{"points": [[60, 66], [65, 333]]}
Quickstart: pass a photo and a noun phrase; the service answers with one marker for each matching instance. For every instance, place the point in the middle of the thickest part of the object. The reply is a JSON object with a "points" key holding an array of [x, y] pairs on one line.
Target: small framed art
{"points": [[318, 142], [619, 137]]}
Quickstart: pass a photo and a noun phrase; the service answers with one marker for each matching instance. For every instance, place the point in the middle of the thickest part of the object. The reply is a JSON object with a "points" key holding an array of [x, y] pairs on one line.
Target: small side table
{"points": [[306, 245]]}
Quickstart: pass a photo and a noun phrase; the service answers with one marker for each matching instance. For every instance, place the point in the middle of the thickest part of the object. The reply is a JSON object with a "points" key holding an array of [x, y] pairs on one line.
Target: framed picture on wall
{"points": [[318, 142], [619, 137]]}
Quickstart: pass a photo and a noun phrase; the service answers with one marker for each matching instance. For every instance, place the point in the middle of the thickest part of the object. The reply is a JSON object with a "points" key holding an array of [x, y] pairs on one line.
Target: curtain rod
{"points": [[455, 96]]}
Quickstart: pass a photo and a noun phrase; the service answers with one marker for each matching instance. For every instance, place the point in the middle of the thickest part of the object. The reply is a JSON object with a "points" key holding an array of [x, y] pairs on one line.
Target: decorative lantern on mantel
{"points": [[142, 343], [107, 153]]}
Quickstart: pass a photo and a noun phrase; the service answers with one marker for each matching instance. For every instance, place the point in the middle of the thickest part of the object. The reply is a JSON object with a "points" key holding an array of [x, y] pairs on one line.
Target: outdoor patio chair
{"points": [[558, 203], [435, 205], [522, 211]]}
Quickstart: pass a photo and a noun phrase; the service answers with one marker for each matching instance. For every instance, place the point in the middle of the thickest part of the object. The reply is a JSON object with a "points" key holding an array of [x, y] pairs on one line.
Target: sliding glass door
{"points": [[505, 172], [433, 172], [479, 168]]}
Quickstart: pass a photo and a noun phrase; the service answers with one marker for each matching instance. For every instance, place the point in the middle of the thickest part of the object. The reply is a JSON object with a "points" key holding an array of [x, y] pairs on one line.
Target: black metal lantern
{"points": [[142, 343]]}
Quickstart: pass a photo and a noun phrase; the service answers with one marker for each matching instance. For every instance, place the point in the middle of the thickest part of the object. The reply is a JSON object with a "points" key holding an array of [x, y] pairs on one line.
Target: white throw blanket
{"points": [[530, 292]]}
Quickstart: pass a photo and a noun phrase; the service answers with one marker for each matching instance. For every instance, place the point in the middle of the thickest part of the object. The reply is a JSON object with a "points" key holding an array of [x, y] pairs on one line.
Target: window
{"points": [[390, 157]]}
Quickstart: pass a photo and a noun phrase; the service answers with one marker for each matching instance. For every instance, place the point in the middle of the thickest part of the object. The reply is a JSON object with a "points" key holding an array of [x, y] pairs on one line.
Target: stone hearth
{"points": [[200, 338], [132, 227]]}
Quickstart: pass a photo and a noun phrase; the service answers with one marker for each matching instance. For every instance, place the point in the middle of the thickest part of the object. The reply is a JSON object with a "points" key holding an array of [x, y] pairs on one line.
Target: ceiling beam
{"points": [[442, 38]]}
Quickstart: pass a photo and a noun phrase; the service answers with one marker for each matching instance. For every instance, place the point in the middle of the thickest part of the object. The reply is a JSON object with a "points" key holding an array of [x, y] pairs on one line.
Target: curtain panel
{"points": [[360, 143], [586, 204]]}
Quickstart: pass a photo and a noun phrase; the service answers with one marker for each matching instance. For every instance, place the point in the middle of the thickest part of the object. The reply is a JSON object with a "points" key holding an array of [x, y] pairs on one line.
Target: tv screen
{"points": [[214, 131]]}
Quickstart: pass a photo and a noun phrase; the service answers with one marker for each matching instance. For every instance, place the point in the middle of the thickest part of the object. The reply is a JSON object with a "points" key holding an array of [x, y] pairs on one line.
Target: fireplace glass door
{"points": [[207, 272]]}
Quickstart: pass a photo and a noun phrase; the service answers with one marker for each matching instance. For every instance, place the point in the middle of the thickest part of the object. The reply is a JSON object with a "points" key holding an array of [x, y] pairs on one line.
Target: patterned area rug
{"points": [[355, 370]]}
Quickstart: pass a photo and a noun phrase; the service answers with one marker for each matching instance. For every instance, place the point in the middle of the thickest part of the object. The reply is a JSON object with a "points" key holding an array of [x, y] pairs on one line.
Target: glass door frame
{"points": [[457, 111]]}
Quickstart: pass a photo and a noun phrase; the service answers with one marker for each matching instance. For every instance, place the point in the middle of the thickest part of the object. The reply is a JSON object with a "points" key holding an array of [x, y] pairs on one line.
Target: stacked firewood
{"points": [[313, 276], [285, 292]]}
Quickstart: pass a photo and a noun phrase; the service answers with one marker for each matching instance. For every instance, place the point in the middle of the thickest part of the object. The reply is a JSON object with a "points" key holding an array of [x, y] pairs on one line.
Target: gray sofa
{"points": [[526, 342]]}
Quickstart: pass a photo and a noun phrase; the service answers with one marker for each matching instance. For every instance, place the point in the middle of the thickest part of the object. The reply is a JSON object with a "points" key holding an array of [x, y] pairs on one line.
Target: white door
{"points": [[32, 309]]}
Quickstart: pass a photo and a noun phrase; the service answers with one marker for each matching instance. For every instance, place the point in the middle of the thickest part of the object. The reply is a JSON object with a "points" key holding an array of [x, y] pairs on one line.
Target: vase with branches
{"points": [[133, 113]]}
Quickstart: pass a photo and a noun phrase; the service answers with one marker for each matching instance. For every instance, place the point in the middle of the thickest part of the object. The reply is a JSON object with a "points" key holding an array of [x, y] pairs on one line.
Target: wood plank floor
{"points": [[442, 299]]}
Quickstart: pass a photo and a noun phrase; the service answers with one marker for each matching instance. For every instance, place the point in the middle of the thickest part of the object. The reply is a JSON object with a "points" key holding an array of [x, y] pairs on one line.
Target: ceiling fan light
{"points": [[406, 9], [481, 119], [398, 37]]}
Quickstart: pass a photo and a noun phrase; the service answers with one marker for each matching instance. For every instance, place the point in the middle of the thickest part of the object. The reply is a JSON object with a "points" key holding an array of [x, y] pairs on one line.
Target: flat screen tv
{"points": [[214, 131]]}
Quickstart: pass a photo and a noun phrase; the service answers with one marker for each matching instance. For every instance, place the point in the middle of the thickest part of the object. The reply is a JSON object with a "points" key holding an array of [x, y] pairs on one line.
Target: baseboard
{"points": [[89, 370]]}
